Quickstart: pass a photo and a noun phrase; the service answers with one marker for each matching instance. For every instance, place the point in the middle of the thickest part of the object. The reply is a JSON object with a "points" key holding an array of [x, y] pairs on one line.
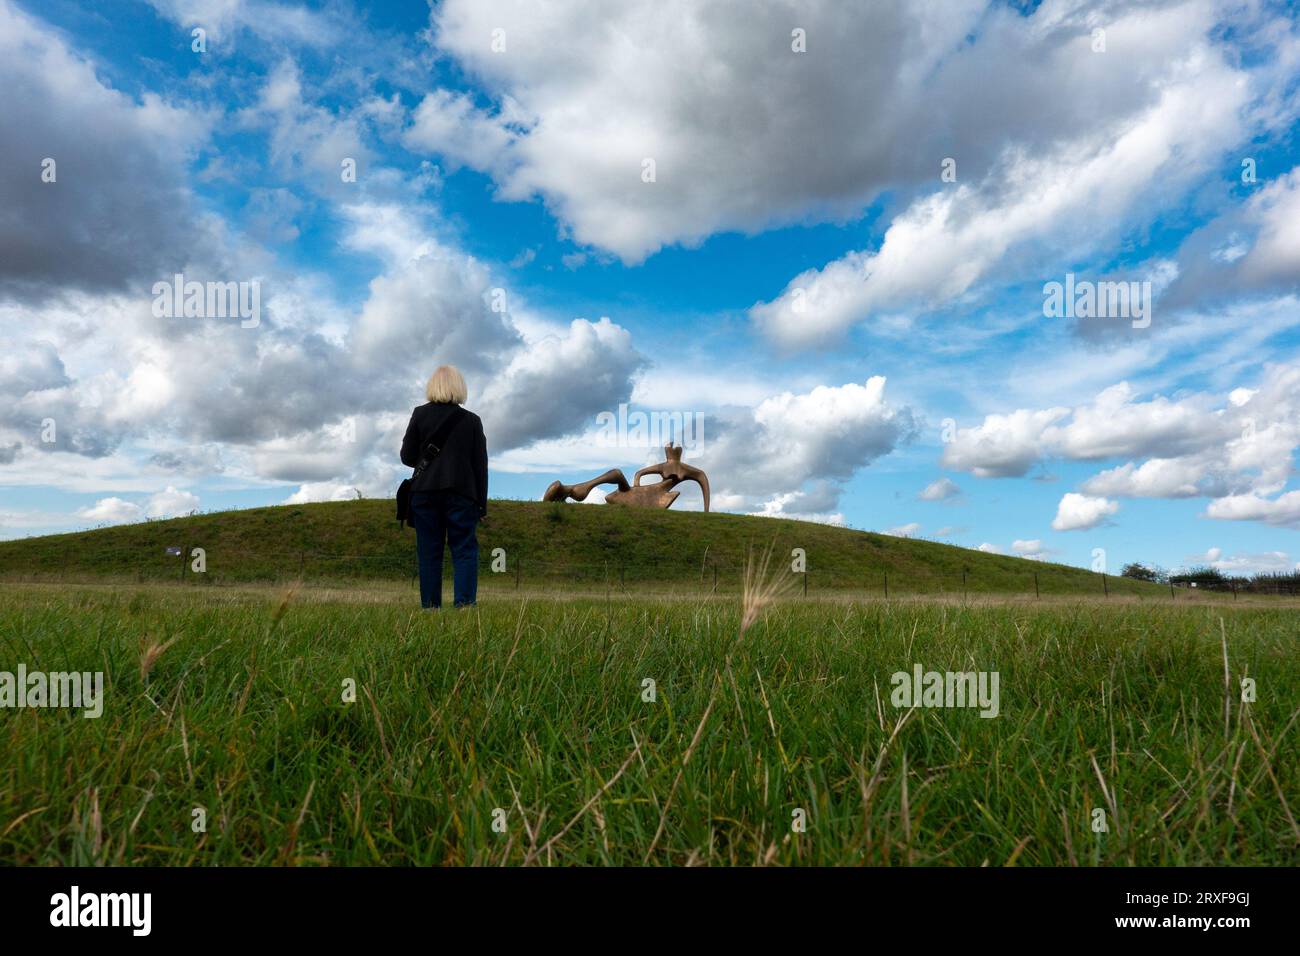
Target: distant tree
{"points": [[1201, 577], [1140, 572], [1273, 583]]}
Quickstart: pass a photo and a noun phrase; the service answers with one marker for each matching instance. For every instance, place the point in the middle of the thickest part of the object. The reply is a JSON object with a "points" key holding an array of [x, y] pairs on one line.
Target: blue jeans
{"points": [[438, 517]]}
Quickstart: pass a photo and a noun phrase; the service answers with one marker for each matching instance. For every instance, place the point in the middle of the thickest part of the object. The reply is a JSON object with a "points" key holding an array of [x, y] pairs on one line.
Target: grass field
{"points": [[544, 545], [532, 713]]}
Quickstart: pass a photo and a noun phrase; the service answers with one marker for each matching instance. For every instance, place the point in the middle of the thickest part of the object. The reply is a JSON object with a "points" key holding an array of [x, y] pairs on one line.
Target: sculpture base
{"points": [[643, 496]]}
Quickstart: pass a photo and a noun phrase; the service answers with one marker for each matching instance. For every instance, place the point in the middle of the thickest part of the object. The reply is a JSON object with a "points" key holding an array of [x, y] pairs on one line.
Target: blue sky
{"points": [[863, 336]]}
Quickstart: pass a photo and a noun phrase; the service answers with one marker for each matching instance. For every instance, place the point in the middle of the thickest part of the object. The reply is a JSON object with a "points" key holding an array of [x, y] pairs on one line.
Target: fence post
{"points": [[886, 585], [1036, 594], [805, 583], [1171, 591], [185, 551], [1104, 589]]}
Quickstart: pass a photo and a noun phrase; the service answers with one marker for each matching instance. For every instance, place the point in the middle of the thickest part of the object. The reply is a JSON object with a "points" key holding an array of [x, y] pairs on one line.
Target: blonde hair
{"points": [[446, 384]]}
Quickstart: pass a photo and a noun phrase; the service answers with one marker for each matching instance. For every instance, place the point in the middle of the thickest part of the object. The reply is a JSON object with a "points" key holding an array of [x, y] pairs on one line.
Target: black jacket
{"points": [[462, 466]]}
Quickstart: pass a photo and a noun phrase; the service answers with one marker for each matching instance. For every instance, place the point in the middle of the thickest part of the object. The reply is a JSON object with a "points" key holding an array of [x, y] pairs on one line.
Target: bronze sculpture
{"points": [[672, 472]]}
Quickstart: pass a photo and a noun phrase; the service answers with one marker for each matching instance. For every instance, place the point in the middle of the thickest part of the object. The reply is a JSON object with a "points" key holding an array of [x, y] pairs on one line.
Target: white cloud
{"points": [[118, 160], [988, 548], [788, 455], [1237, 450], [272, 21], [1032, 549], [1266, 562], [450, 124], [313, 491], [903, 531], [963, 79], [1114, 424], [1155, 478], [319, 454], [814, 503], [308, 140], [790, 505], [939, 490], [1253, 248], [1282, 511], [560, 382], [626, 90], [823, 436], [1057, 200], [168, 503], [1080, 512], [1003, 445], [111, 511], [1275, 211], [171, 503]]}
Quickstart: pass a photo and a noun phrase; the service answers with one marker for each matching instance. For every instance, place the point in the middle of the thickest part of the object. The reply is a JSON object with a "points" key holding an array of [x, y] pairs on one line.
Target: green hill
{"points": [[546, 545]]}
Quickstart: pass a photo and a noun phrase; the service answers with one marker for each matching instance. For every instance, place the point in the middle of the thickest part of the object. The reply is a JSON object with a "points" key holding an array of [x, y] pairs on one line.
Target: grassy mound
{"points": [[544, 544]]}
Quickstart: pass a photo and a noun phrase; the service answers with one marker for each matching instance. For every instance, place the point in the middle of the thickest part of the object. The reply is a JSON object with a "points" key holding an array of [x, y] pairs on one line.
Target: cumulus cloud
{"points": [[939, 490], [1032, 549], [1253, 249], [306, 138], [787, 455], [1266, 562], [1236, 449], [112, 511], [1014, 98], [222, 19], [814, 503], [625, 89], [119, 163], [1157, 478], [795, 505], [1003, 445], [168, 503], [312, 491], [1167, 125], [903, 530], [90, 357], [313, 394], [449, 124], [1080, 512], [1282, 511], [554, 384], [789, 440]]}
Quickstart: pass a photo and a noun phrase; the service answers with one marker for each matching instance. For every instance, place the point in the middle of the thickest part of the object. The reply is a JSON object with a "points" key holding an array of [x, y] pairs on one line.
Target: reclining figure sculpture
{"points": [[672, 472]]}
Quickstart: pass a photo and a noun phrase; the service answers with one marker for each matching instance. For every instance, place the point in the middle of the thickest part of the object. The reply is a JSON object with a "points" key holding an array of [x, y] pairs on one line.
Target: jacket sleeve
{"points": [[481, 468], [411, 444]]}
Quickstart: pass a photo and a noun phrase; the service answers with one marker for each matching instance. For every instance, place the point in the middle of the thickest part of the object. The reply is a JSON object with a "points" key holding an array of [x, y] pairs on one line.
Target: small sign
{"points": [[174, 552]]}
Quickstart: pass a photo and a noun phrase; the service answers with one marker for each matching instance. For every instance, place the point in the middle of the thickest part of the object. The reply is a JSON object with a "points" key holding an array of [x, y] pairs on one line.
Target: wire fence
{"points": [[511, 569]]}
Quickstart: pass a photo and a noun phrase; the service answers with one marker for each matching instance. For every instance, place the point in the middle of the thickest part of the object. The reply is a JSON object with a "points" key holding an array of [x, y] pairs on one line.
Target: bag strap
{"points": [[434, 446]]}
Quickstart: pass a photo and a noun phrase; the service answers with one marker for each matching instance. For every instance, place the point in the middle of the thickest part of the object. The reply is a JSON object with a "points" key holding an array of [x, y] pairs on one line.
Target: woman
{"points": [[450, 496]]}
